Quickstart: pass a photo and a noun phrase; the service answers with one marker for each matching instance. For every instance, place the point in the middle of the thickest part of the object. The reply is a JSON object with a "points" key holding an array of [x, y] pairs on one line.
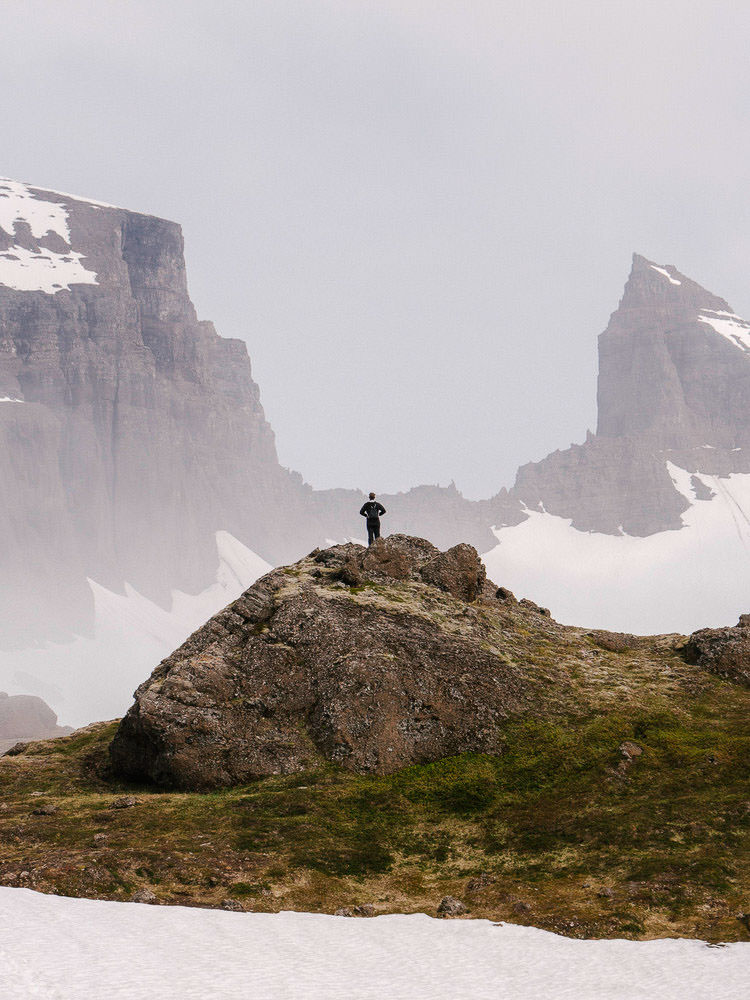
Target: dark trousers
{"points": [[373, 531]]}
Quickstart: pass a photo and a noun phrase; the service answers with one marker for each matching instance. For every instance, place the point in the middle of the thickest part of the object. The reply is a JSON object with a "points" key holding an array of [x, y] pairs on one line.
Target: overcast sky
{"points": [[419, 215]]}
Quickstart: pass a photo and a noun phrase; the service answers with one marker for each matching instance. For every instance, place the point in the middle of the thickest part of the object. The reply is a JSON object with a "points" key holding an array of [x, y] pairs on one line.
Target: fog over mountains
{"points": [[131, 433]]}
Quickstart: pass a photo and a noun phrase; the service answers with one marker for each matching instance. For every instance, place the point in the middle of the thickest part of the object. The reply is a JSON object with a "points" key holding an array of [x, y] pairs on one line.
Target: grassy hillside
{"points": [[629, 819]]}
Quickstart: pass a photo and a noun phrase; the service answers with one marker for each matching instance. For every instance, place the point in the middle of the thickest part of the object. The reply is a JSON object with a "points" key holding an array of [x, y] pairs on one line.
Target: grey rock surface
{"points": [[671, 388], [450, 906], [406, 666], [144, 896], [723, 651]]}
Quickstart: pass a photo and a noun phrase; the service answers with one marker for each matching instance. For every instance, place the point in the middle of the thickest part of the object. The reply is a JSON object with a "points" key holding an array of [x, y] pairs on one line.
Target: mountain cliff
{"points": [[674, 386], [130, 432], [24, 716]]}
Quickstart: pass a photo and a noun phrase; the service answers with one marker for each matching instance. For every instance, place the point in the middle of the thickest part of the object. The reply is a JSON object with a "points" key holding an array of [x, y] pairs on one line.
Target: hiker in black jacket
{"points": [[372, 510]]}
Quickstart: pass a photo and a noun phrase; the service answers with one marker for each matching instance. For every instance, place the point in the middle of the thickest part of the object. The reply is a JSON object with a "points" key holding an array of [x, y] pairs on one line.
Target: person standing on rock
{"points": [[373, 511]]}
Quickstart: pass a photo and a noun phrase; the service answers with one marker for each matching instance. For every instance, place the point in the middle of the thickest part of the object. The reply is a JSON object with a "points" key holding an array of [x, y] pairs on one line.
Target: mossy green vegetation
{"points": [[632, 820]]}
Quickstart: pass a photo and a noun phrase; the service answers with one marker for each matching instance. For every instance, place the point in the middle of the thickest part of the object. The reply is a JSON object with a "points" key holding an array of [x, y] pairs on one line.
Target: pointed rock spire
{"points": [[666, 370], [665, 291]]}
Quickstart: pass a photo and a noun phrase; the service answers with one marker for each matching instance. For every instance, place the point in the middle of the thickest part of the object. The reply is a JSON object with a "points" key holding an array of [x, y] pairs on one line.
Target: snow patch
{"points": [[673, 581], [18, 203], [87, 949], [730, 326], [665, 272], [39, 269], [11, 399], [75, 197], [346, 540], [43, 270], [132, 635]]}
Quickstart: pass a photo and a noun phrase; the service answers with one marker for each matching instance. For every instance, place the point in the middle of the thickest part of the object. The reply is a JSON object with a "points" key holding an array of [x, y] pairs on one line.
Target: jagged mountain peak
{"points": [[664, 290], [674, 363], [674, 383], [653, 285]]}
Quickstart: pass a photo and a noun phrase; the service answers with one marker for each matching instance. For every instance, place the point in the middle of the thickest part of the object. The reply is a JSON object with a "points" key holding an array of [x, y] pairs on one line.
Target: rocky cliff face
{"points": [[674, 386], [674, 365], [130, 432]]}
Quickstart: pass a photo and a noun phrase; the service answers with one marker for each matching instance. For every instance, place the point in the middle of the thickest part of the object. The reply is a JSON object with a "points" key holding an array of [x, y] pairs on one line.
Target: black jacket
{"points": [[372, 510]]}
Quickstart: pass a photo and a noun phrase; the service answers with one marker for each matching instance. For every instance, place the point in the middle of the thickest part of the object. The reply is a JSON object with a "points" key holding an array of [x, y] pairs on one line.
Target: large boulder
{"points": [[459, 571], [723, 651], [374, 659]]}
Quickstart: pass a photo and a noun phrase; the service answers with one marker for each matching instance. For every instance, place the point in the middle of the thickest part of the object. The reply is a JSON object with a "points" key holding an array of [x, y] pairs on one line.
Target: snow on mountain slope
{"points": [[39, 256], [94, 677], [732, 327], [672, 581], [663, 271], [91, 948], [20, 203]]}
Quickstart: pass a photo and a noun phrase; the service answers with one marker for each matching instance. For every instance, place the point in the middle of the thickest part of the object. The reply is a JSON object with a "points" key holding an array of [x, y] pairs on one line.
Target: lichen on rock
{"points": [[372, 658], [722, 651]]}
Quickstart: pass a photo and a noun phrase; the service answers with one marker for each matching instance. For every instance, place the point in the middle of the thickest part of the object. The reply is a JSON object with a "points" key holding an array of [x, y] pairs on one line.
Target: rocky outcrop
{"points": [[25, 717], [459, 571], [380, 658], [374, 659], [129, 430], [723, 651], [674, 364], [674, 385]]}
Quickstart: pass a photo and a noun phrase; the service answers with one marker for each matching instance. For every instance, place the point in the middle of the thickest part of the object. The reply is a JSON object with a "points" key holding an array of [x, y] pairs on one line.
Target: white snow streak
{"points": [[85, 201], [11, 399], [39, 269], [673, 581], [51, 946], [732, 327], [665, 272], [43, 270]]}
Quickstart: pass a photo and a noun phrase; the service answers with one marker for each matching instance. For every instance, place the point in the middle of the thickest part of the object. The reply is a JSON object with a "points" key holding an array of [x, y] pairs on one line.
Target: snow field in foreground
{"points": [[56, 948]]}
